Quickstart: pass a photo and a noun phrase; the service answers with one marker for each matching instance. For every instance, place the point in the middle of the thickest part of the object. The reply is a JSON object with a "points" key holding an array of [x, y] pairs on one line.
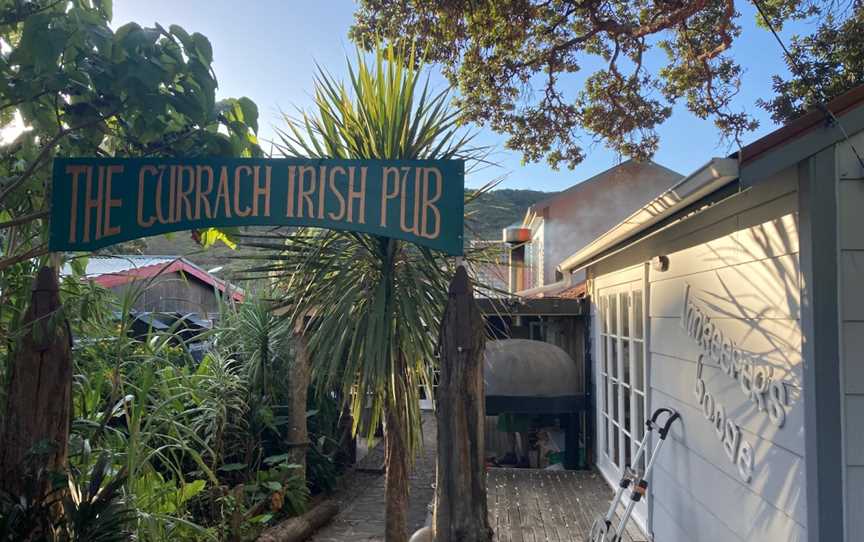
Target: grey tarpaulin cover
{"points": [[523, 368]]}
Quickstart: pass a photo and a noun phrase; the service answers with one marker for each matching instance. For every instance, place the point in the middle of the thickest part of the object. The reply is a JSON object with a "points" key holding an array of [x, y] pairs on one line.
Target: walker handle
{"points": [[662, 431]]}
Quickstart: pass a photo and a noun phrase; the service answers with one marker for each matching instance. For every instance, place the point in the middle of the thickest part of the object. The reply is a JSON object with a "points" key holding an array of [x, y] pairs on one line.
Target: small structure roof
{"points": [[116, 270]]}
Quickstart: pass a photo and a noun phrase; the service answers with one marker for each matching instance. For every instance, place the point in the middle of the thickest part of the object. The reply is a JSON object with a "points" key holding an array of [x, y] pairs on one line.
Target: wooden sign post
{"points": [[460, 494], [39, 400]]}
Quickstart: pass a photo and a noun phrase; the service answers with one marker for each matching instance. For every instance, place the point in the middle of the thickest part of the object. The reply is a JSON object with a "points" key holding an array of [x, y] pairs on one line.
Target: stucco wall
{"points": [[580, 214], [851, 240]]}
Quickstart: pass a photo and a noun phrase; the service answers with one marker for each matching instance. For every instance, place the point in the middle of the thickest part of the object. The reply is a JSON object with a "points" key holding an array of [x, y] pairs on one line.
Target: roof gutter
{"points": [[705, 180], [561, 285]]}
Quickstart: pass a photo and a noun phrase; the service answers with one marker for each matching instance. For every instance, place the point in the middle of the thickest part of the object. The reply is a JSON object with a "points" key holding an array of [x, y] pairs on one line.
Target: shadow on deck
{"points": [[530, 505]]}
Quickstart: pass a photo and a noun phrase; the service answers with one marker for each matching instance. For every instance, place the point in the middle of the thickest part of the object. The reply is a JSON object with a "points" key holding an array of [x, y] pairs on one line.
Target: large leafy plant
{"points": [[199, 443], [70, 85]]}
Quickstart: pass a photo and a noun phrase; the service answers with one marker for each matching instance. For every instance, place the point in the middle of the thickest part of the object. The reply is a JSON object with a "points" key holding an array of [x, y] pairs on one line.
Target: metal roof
{"points": [[717, 173], [106, 265], [710, 177], [110, 271]]}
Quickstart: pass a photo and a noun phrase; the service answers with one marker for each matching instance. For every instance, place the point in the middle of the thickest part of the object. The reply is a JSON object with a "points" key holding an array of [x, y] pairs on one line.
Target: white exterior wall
{"points": [[851, 294], [748, 284], [742, 270]]}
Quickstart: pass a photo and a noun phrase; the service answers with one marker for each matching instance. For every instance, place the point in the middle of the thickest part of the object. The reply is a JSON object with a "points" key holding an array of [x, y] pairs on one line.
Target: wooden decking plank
{"points": [[586, 503], [548, 506], [548, 510], [492, 503], [567, 525], [532, 500], [575, 521], [527, 507], [502, 531], [584, 506], [516, 520], [502, 527], [534, 496], [556, 507]]}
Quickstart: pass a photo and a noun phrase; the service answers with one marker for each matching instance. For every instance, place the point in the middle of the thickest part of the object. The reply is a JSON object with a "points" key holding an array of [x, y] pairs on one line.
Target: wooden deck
{"points": [[529, 505]]}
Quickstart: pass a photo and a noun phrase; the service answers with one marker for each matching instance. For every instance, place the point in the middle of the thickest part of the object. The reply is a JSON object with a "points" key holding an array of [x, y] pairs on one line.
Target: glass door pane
{"points": [[622, 378]]}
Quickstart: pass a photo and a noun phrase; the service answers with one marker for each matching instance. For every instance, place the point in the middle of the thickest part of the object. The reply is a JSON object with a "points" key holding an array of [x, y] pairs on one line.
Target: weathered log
{"points": [[301, 527], [35, 431], [460, 495]]}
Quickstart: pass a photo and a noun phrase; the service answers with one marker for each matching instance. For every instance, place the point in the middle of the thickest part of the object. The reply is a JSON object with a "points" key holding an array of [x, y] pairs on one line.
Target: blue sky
{"points": [[267, 49]]}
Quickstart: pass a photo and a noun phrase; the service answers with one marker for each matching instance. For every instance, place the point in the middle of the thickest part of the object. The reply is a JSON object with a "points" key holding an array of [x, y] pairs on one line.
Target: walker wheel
{"points": [[599, 530]]}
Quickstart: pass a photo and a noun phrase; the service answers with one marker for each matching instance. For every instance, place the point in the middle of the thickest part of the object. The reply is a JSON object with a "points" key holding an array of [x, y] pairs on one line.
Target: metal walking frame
{"points": [[602, 527]]}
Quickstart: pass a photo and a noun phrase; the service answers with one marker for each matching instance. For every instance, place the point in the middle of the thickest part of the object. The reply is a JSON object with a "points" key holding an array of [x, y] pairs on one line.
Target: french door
{"points": [[622, 376]]}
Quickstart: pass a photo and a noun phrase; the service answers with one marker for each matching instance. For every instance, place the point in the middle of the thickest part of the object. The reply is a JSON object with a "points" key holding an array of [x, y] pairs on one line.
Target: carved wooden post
{"points": [[38, 403], [460, 495]]}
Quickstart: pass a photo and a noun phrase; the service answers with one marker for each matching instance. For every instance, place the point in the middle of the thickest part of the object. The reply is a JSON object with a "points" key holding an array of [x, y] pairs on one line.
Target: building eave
{"points": [[705, 180]]}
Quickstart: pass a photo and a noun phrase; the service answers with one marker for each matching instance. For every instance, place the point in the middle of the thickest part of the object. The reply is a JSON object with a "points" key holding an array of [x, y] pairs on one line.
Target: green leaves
{"points": [[249, 113], [381, 113], [201, 45], [232, 467], [83, 89], [830, 62], [41, 42], [548, 73]]}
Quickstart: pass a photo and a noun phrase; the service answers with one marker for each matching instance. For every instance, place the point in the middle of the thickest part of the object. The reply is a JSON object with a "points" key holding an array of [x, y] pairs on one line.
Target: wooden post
{"points": [[35, 430], [297, 433], [460, 495]]}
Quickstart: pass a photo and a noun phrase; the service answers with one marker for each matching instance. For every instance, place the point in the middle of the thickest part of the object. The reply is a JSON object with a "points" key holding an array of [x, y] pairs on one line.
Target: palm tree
{"points": [[372, 305]]}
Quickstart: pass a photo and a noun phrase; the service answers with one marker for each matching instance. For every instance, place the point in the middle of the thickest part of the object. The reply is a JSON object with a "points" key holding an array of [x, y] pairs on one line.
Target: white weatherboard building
{"points": [[737, 299]]}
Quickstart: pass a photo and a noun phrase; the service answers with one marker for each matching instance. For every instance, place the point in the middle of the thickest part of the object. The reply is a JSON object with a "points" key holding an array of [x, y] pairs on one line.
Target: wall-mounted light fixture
{"points": [[660, 263]]}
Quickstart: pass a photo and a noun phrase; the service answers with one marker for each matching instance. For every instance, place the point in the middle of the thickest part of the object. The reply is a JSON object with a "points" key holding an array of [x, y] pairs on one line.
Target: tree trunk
{"points": [[460, 495], [35, 430], [347, 452], [297, 433], [396, 481]]}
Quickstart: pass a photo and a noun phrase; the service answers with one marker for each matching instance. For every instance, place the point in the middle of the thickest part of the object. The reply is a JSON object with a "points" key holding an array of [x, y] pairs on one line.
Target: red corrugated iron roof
{"points": [[178, 265]]}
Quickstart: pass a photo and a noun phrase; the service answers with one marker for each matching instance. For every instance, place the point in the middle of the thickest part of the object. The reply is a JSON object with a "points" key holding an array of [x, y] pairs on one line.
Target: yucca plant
{"points": [[372, 305]]}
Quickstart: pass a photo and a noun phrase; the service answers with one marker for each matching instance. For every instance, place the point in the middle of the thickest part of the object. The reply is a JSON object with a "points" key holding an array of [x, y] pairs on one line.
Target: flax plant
{"points": [[371, 306]]}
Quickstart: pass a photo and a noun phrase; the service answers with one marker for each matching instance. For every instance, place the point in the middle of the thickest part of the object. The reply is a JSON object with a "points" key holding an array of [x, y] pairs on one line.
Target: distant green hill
{"points": [[487, 216], [497, 209]]}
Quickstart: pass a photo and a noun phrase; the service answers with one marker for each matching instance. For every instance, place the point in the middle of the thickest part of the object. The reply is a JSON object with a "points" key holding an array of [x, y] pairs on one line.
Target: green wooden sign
{"points": [[98, 202]]}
